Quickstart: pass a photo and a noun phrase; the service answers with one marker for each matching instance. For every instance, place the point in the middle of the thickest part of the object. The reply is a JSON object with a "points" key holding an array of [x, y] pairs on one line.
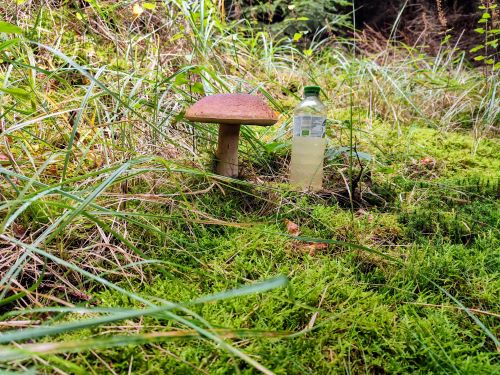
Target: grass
{"points": [[120, 252]]}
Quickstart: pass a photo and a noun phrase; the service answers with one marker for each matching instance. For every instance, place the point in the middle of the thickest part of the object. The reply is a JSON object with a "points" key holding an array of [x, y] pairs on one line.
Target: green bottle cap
{"points": [[312, 89]]}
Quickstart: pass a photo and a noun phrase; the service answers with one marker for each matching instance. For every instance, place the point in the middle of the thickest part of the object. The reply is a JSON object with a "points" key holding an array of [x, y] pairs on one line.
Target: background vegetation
{"points": [[120, 251]]}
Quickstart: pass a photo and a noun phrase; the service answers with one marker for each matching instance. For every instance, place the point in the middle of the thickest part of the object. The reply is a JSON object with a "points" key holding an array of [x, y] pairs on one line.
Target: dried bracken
{"points": [[441, 13]]}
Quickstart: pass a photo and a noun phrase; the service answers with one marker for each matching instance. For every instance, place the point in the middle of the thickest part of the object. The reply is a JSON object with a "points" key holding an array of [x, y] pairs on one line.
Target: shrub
{"points": [[294, 18]]}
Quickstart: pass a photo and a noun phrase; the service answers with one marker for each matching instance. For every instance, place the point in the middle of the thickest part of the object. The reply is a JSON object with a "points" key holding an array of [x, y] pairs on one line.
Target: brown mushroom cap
{"points": [[232, 109]]}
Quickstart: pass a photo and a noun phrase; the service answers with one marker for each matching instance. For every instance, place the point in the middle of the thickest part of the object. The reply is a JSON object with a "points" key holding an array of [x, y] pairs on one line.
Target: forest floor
{"points": [[347, 310], [120, 251]]}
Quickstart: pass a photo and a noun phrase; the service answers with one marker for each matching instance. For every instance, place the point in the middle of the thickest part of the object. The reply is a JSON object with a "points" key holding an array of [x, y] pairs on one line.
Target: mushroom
{"points": [[230, 111]]}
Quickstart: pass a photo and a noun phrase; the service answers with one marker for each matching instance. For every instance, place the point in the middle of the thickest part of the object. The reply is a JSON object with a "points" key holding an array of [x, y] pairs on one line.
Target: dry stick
{"points": [[37, 294], [44, 362], [106, 364], [19, 324], [130, 365], [452, 307], [315, 315]]}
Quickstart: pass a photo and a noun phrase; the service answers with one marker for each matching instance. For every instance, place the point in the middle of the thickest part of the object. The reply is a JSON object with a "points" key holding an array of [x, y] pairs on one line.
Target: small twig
{"points": [[315, 315], [106, 364], [19, 324], [452, 307]]}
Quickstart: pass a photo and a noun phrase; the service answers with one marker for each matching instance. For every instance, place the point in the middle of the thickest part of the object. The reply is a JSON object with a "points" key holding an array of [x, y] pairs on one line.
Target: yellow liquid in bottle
{"points": [[306, 166]]}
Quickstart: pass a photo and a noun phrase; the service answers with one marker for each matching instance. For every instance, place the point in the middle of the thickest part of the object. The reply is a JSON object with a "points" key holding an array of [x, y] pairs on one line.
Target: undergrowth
{"points": [[120, 252]]}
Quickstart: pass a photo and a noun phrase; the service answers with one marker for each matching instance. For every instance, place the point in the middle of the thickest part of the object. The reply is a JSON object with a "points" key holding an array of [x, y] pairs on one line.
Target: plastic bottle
{"points": [[309, 143]]}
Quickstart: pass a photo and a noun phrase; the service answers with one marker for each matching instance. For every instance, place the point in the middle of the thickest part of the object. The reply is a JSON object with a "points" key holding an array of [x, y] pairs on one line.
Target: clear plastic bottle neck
{"points": [[310, 94]]}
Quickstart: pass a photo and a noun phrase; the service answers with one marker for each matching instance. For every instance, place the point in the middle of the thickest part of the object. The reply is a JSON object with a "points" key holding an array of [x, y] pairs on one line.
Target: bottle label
{"points": [[309, 126]]}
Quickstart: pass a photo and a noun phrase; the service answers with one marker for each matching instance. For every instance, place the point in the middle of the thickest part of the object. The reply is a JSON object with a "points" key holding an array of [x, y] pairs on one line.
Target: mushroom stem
{"points": [[227, 150]]}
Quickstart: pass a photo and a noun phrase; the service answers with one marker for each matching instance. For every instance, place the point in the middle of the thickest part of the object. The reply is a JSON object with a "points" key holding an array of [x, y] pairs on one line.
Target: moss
{"points": [[452, 150], [367, 319]]}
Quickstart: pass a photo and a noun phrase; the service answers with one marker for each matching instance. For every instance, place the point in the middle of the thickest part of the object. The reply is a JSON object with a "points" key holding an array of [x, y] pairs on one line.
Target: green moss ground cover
{"points": [[121, 253]]}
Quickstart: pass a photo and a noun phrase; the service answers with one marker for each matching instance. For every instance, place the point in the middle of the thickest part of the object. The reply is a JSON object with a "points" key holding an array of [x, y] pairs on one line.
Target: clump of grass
{"points": [[113, 228]]}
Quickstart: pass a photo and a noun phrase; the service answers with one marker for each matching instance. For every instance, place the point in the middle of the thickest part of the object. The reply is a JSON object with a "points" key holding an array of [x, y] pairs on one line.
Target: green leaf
{"points": [[308, 52], [181, 79], [16, 92], [275, 146], [490, 61], [149, 6], [493, 43], [9, 28], [476, 48], [496, 66], [446, 39], [480, 30], [386, 170], [8, 43], [197, 88], [479, 58], [297, 36], [486, 16], [363, 155]]}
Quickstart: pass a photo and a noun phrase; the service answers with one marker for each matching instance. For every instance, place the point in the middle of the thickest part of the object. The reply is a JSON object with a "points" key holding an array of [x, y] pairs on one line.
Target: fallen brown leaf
{"points": [[19, 230], [428, 162], [4, 159], [362, 212], [292, 228], [313, 247]]}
